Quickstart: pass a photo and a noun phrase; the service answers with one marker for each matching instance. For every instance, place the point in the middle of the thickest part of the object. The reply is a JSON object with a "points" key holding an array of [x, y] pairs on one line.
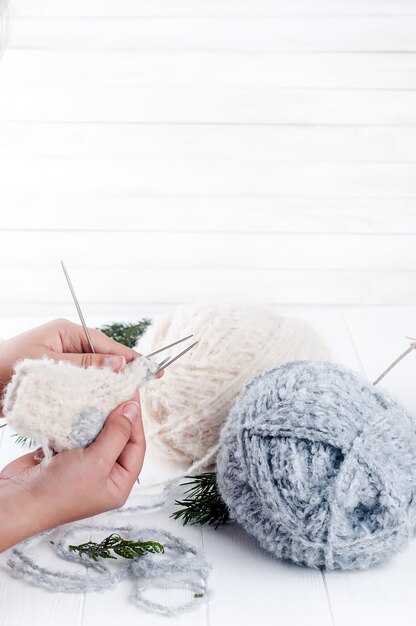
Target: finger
{"points": [[106, 345], [21, 463], [132, 457], [115, 433], [114, 362]]}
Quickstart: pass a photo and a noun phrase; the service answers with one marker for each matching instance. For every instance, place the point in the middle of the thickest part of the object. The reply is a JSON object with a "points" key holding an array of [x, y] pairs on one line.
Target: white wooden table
{"points": [[249, 586], [255, 150]]}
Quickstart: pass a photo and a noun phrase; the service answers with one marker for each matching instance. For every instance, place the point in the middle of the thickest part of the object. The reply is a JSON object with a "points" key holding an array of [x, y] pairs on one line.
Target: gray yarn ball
{"points": [[320, 466]]}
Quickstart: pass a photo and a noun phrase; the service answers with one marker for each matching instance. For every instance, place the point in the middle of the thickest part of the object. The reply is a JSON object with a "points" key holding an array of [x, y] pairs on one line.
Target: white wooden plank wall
{"points": [[178, 150]]}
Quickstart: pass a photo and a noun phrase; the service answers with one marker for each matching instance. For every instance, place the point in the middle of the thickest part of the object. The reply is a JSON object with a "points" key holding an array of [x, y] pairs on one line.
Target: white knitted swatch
{"points": [[61, 406]]}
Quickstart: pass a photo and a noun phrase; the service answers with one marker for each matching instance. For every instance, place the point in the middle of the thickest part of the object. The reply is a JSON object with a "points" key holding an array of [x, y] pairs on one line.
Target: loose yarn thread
{"points": [[182, 561]]}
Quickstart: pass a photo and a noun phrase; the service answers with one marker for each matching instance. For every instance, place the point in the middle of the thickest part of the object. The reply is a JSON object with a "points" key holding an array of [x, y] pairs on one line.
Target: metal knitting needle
{"points": [[399, 358], [81, 317], [168, 361], [174, 358], [175, 343], [164, 361]]}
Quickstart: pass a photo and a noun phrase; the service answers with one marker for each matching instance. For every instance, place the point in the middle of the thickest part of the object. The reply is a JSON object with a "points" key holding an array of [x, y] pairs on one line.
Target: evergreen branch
{"points": [[122, 547], [125, 333], [203, 504], [24, 441]]}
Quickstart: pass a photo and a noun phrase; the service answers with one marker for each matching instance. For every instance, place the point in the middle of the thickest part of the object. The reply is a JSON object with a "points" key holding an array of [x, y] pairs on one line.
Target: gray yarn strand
{"points": [[182, 566]]}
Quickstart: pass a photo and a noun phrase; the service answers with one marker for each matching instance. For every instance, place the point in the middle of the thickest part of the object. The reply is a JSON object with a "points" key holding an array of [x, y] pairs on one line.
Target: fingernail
{"points": [[131, 410], [114, 363]]}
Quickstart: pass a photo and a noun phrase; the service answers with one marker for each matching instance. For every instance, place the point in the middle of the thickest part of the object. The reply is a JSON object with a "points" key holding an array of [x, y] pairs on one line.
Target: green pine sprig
{"points": [[122, 547], [203, 504], [24, 441], [125, 333]]}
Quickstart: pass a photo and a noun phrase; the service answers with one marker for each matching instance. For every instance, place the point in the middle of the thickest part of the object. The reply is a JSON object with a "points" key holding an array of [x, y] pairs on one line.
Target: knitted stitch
{"points": [[320, 466], [185, 410], [61, 405]]}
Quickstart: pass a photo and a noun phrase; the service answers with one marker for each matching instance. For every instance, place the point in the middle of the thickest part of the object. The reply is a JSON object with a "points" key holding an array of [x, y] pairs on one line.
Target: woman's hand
{"points": [[76, 483], [60, 340]]}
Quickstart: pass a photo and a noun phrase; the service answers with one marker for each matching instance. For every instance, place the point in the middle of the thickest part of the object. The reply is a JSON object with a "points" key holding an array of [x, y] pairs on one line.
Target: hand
{"points": [[76, 483], [60, 340]]}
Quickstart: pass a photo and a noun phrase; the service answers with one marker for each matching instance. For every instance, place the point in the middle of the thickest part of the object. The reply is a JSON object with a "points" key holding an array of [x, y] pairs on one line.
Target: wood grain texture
{"points": [[257, 34], [244, 252], [301, 8], [274, 125], [139, 286], [389, 215], [266, 142]]}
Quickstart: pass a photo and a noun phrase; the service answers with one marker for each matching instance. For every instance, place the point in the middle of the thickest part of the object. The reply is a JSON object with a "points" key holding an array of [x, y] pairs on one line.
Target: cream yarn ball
{"points": [[185, 410]]}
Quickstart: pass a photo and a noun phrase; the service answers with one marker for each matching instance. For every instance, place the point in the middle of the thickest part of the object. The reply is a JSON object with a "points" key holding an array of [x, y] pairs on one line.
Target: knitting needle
{"points": [[81, 317], [399, 358], [168, 361], [174, 358], [169, 346]]}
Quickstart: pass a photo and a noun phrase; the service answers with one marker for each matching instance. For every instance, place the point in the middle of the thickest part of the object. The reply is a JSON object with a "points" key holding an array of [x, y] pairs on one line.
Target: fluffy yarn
{"points": [[320, 466], [188, 407], [181, 566], [63, 406]]}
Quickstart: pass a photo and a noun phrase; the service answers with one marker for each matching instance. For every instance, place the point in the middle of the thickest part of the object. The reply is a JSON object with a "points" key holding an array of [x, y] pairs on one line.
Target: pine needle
{"points": [[122, 547], [203, 504], [24, 441], [125, 333]]}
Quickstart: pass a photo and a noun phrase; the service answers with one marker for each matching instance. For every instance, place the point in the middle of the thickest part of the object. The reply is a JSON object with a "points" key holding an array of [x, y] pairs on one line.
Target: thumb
{"points": [[114, 362], [116, 432]]}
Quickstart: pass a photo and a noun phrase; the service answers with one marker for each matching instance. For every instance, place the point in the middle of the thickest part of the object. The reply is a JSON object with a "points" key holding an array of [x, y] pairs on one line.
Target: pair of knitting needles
{"points": [[162, 366]]}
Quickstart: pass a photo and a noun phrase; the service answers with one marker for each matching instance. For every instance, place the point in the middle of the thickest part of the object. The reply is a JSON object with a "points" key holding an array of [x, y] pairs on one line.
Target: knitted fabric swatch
{"points": [[61, 406], [181, 566], [320, 466]]}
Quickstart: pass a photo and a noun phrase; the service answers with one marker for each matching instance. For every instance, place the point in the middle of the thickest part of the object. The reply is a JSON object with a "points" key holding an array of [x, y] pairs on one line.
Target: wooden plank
{"points": [[178, 251], [390, 215], [281, 143], [126, 69], [388, 589], [22, 286], [311, 33], [379, 338], [242, 570], [206, 176], [188, 105], [106, 8]]}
